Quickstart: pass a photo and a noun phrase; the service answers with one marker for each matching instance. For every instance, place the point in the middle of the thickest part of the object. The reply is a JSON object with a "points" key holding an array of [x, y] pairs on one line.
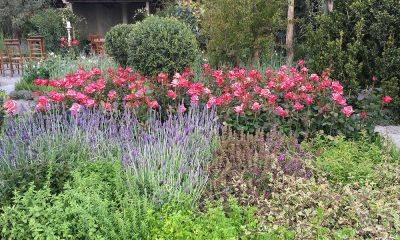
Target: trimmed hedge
{"points": [[161, 45], [116, 42]]}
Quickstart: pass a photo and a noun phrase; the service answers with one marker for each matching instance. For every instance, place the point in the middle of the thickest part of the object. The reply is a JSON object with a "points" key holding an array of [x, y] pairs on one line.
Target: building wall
{"points": [[100, 17]]}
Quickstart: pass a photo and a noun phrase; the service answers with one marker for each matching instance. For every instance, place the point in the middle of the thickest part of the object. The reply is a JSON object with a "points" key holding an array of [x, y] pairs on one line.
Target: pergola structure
{"points": [[101, 15]]}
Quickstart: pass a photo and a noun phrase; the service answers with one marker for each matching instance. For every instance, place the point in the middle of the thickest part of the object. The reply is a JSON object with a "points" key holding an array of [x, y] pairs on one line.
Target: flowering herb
{"points": [[166, 159]]}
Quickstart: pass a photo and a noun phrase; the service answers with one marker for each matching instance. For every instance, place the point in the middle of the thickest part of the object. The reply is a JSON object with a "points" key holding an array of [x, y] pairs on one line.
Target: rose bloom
{"points": [[309, 100], [89, 103], [194, 99], [387, 99], [107, 106], [363, 115], [339, 99], [211, 102], [41, 82], [75, 42], [337, 87], [171, 94], [153, 104], [281, 111], [71, 93], [314, 77], [112, 95], [10, 107], [239, 109], [256, 107], [348, 111], [56, 97], [207, 91], [298, 106], [162, 78], [75, 108]]}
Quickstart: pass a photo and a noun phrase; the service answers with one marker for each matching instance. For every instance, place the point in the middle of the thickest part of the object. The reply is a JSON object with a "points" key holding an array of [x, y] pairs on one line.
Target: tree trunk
{"points": [[329, 4], [290, 33]]}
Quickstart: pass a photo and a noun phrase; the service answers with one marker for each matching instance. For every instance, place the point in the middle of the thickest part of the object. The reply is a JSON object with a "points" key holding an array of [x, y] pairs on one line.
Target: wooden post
{"points": [[99, 17], [148, 7], [290, 33], [329, 4], [124, 13]]}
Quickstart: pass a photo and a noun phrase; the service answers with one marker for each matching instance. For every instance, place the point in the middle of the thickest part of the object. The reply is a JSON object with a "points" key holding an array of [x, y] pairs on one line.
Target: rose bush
{"points": [[292, 99]]}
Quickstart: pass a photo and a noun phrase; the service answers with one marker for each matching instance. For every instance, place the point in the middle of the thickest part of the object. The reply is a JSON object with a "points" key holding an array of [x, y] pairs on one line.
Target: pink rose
{"points": [[10, 107], [387, 99], [348, 111], [256, 107]]}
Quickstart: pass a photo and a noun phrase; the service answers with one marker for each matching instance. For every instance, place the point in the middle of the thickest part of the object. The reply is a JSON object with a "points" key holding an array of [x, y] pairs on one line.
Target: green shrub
{"points": [[242, 32], [161, 45], [358, 40], [2, 113], [117, 40], [316, 209], [46, 164], [350, 161], [50, 23], [189, 13], [97, 204]]}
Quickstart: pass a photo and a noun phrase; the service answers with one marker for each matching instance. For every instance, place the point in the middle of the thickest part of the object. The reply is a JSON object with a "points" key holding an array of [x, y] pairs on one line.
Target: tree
{"points": [[242, 32], [290, 33], [13, 13]]}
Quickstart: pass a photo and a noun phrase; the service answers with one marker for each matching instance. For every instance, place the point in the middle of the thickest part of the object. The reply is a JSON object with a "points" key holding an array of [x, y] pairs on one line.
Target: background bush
{"points": [[50, 23], [358, 40], [14, 13], [161, 45], [97, 204], [189, 13], [243, 41], [117, 40], [349, 161], [2, 113]]}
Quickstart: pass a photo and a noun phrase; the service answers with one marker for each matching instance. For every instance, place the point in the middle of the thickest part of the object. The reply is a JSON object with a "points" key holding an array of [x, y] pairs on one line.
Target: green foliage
{"points": [[46, 165], [242, 32], [316, 209], [161, 45], [117, 41], [214, 223], [97, 204], [13, 13], [358, 40], [50, 23], [2, 113], [349, 161], [189, 13]]}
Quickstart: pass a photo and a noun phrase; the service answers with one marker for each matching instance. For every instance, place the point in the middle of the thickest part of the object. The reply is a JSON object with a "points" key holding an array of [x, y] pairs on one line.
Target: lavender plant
{"points": [[163, 160]]}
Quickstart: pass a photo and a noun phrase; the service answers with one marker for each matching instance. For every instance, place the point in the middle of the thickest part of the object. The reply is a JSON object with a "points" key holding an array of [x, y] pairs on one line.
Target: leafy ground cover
{"points": [[102, 175]]}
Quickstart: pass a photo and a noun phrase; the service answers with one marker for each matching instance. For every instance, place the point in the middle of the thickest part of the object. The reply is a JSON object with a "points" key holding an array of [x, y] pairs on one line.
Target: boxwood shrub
{"points": [[160, 44], [116, 42]]}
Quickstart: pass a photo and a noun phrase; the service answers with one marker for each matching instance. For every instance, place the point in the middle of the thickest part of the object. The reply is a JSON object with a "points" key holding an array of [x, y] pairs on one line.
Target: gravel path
{"points": [[391, 133], [7, 83]]}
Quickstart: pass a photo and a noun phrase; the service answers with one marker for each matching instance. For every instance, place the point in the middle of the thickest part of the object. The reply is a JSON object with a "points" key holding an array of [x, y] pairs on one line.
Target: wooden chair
{"points": [[14, 55], [36, 48], [92, 38], [98, 46]]}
